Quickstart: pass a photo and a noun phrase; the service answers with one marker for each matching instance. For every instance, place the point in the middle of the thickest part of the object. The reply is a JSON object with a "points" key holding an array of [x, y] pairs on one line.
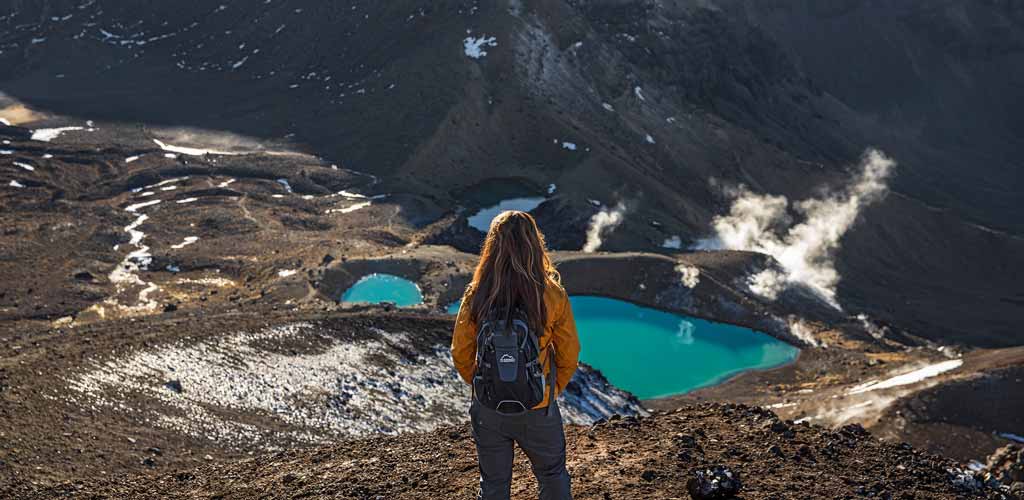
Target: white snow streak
{"points": [[186, 242], [135, 208], [908, 378], [49, 134], [191, 151]]}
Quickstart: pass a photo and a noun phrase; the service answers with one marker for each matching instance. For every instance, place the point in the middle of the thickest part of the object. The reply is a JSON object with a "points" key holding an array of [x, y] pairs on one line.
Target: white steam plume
{"points": [[806, 251], [689, 275], [601, 223]]}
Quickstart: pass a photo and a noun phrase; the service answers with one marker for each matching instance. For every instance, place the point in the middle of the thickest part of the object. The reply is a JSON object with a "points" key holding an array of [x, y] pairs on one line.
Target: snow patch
{"points": [[25, 166], [217, 282], [380, 383], [474, 47], [191, 151], [16, 184], [49, 134], [908, 378], [186, 242], [135, 208], [126, 275], [350, 208], [350, 194], [166, 182]]}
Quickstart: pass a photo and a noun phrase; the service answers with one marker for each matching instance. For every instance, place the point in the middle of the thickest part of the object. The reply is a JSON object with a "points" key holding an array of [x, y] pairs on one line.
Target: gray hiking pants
{"points": [[539, 435]]}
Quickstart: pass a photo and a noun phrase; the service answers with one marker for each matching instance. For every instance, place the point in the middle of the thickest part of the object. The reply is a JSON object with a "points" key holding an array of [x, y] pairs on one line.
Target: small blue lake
{"points": [[482, 219], [377, 288], [653, 353]]}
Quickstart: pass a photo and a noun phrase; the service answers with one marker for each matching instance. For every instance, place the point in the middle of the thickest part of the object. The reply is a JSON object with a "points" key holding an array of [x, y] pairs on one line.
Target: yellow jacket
{"points": [[559, 334]]}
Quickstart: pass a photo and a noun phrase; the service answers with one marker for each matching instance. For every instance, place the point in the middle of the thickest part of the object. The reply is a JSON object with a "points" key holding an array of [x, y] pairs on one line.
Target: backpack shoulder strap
{"points": [[552, 374]]}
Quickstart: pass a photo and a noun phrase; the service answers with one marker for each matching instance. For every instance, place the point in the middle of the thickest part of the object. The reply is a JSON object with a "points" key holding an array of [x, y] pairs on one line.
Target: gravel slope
{"points": [[624, 458]]}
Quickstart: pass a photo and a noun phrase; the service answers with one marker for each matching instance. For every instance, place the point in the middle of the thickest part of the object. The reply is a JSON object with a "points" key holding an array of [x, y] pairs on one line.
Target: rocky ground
{"points": [[222, 385], [651, 457], [169, 278]]}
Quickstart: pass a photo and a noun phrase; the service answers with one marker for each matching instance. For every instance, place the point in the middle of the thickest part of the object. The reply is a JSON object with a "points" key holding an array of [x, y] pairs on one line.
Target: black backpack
{"points": [[509, 378]]}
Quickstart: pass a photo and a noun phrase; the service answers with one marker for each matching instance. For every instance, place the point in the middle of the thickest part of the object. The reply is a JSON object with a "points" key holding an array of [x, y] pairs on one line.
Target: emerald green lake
{"points": [[654, 354], [377, 288]]}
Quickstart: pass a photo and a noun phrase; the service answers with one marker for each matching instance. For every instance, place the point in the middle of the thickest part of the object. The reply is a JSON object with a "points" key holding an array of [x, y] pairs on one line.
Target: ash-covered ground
{"points": [[621, 458]]}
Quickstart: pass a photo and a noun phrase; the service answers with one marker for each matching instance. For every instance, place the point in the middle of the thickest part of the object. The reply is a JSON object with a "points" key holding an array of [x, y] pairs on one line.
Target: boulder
{"points": [[714, 483], [174, 385], [1007, 464]]}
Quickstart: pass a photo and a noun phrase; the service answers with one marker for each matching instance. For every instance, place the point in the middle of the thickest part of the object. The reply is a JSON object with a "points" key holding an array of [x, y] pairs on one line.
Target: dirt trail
{"points": [[247, 214]]}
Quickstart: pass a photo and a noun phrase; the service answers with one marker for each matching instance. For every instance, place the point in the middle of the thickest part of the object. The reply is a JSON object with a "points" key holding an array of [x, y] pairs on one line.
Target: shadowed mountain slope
{"points": [[630, 101]]}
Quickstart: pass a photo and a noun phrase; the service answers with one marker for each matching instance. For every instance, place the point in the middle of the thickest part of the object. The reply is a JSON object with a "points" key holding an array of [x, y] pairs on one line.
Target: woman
{"points": [[515, 275]]}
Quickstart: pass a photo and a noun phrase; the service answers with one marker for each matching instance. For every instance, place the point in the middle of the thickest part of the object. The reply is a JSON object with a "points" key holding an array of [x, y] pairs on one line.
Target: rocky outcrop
{"points": [[1006, 466]]}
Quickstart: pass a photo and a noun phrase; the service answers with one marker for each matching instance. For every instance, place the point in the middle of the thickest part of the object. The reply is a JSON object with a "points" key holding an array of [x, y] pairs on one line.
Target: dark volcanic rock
{"points": [[714, 483], [1007, 464]]}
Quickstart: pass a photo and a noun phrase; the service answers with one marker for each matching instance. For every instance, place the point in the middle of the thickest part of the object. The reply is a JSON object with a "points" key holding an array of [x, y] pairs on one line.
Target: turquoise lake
{"points": [[377, 288], [653, 353]]}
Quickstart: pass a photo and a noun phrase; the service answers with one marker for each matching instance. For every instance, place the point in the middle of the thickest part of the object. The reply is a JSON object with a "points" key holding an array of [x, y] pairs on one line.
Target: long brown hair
{"points": [[514, 270]]}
